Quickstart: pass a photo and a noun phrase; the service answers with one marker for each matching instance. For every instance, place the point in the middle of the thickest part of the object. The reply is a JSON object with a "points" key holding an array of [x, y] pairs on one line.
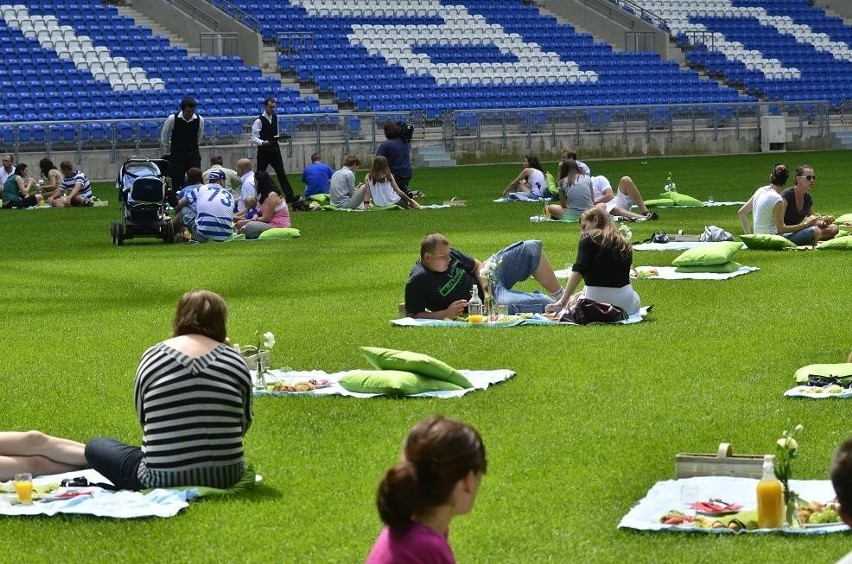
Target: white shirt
{"points": [[169, 125], [234, 180], [599, 185], [4, 174], [762, 212], [584, 168], [255, 130], [247, 190]]}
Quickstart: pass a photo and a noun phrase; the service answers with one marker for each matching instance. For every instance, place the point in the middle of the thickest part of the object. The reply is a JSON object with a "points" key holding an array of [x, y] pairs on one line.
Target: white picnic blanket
{"points": [[816, 392], [665, 496], [712, 204], [521, 197], [481, 379], [98, 502], [670, 246], [670, 273], [509, 321]]}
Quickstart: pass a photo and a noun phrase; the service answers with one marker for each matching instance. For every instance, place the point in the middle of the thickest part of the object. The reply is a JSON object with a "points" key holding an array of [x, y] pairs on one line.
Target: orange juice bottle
{"points": [[770, 497]]}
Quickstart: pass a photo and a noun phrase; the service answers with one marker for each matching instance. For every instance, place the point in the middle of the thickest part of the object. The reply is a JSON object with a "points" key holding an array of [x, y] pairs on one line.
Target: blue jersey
{"points": [[215, 208], [75, 178]]}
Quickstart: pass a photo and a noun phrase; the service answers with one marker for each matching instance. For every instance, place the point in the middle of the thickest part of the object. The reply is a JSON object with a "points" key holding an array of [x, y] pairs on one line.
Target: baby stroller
{"points": [[142, 196]]}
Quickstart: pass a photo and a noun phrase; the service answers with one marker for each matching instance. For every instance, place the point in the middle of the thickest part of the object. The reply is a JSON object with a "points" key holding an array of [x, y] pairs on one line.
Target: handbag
{"points": [[585, 311]]}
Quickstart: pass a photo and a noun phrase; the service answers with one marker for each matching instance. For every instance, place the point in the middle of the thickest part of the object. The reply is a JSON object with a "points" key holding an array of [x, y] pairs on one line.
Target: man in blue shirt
{"points": [[316, 176]]}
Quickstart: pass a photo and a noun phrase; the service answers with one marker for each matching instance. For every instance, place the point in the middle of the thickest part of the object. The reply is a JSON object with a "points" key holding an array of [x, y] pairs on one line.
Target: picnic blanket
{"points": [[705, 204], [329, 207], [665, 496], [510, 321], [481, 379], [818, 392], [521, 197], [670, 246], [670, 273]]}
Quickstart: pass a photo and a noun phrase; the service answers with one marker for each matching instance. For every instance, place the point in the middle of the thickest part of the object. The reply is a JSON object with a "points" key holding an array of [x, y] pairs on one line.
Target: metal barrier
{"points": [[219, 44]]}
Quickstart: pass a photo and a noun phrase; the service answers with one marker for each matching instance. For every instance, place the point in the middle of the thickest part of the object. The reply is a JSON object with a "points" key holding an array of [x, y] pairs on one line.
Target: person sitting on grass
{"points": [[343, 193], [575, 192], [273, 210], [619, 204], [382, 189], [193, 396], [51, 179], [603, 262], [214, 210], [38, 454], [16, 191], [442, 466], [571, 154], [767, 209], [185, 214], [76, 188], [316, 176], [440, 283], [799, 205], [530, 181]]}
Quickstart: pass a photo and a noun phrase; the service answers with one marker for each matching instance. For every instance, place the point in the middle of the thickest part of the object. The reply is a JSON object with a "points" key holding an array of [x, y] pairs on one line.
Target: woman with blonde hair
{"points": [[194, 403], [382, 188], [603, 262], [443, 462]]}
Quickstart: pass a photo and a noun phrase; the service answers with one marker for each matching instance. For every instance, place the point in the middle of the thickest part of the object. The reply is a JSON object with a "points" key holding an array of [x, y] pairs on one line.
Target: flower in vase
{"points": [[268, 340], [624, 230], [670, 185]]}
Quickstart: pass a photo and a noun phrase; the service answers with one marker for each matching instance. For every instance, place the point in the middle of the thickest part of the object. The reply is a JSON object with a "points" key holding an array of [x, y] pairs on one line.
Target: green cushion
{"points": [[837, 244], [714, 268], [845, 218], [842, 233], [708, 254], [552, 188], [682, 200], [425, 365], [659, 202], [321, 198], [766, 242], [393, 383], [280, 233], [841, 369]]}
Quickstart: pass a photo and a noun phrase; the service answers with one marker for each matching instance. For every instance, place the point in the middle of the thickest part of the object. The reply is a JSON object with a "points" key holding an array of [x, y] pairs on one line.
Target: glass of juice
{"points": [[24, 487]]}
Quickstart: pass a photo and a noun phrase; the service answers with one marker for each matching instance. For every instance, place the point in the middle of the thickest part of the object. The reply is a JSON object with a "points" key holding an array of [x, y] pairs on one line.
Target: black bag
{"points": [[406, 131], [585, 311], [660, 237]]}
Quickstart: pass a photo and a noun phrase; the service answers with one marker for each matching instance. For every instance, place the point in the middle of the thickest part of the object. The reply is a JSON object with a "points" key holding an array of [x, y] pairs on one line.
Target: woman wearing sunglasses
{"points": [[800, 205]]}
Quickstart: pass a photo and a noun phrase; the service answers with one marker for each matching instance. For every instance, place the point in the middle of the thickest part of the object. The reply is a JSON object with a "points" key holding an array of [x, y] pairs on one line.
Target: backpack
{"points": [[715, 234], [585, 311]]}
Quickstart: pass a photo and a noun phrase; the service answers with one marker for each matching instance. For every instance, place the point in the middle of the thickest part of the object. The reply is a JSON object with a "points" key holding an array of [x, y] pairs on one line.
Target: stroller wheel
{"points": [[169, 233], [117, 234]]}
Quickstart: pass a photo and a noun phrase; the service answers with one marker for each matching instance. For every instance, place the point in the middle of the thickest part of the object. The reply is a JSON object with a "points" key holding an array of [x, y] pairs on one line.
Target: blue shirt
{"points": [[315, 177], [396, 151]]}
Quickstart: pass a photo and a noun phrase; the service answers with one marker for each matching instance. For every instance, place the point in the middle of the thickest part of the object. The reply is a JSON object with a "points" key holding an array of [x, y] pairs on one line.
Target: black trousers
{"points": [[179, 164], [266, 158]]}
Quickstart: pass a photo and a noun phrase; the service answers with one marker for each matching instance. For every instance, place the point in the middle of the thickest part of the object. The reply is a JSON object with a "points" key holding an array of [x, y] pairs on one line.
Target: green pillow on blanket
{"points": [[393, 383], [280, 233], [680, 200], [840, 370], [321, 198], [708, 254], [836, 244], [766, 242], [725, 268], [425, 365], [845, 218]]}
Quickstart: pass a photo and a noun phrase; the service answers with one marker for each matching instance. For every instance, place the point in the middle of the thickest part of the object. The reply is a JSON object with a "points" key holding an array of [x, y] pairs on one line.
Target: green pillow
{"points": [[837, 244], [659, 202], [393, 383], [321, 198], [425, 365], [280, 233], [767, 242], [682, 200], [845, 218], [841, 369], [714, 268], [708, 254]]}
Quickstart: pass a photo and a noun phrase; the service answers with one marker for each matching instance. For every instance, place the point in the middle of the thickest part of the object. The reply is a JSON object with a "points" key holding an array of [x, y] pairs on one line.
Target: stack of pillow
{"points": [[709, 257], [766, 242], [403, 373], [674, 199]]}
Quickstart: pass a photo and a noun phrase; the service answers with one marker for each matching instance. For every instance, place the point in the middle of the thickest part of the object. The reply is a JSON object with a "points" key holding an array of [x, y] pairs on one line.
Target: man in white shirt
{"points": [[180, 138], [265, 136], [213, 205], [619, 203], [7, 169], [248, 193]]}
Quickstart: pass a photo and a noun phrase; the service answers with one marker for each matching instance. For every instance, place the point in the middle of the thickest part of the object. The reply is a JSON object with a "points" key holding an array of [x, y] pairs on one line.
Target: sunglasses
{"points": [[808, 176]]}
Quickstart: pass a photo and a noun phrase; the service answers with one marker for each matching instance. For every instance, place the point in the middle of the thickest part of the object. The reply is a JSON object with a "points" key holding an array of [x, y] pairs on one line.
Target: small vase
{"points": [[791, 509], [260, 381]]}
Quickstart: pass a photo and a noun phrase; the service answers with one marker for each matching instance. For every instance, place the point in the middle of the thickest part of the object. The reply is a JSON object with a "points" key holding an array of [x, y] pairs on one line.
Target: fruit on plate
{"points": [[299, 386], [816, 513]]}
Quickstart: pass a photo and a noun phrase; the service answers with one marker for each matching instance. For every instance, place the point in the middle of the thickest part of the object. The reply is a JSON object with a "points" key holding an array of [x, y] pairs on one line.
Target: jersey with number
{"points": [[215, 208], [77, 177]]}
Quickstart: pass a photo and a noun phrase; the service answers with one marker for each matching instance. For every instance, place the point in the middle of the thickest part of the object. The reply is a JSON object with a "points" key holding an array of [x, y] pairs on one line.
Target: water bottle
{"points": [[474, 304]]}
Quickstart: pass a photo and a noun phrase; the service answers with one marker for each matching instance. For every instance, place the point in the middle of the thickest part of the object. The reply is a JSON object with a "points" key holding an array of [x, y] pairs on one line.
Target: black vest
{"points": [[268, 130], [185, 136]]}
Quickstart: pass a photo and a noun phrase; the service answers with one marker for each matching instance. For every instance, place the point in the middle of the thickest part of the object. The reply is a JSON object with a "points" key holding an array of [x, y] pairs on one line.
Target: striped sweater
{"points": [[194, 412]]}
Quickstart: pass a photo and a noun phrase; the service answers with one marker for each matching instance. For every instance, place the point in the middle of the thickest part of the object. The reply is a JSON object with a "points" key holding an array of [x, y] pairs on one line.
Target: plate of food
{"points": [[298, 386], [715, 508]]}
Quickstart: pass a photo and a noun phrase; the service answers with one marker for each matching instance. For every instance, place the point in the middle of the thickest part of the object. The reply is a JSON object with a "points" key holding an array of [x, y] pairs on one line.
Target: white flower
{"points": [[788, 443], [670, 185], [268, 340], [489, 269], [622, 227], [799, 428]]}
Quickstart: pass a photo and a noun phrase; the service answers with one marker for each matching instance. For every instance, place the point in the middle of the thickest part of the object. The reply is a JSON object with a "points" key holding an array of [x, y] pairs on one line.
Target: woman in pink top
{"points": [[442, 465], [273, 210]]}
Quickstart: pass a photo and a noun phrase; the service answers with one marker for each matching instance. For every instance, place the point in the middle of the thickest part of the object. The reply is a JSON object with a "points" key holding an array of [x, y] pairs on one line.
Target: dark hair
{"points": [[66, 165], [269, 99], [534, 162], [46, 165], [431, 242], [264, 185], [380, 170], [569, 154], [437, 454], [800, 170], [316, 157], [840, 472], [194, 176], [568, 167], [352, 160], [392, 129], [19, 169], [201, 312], [217, 160], [780, 174], [187, 102]]}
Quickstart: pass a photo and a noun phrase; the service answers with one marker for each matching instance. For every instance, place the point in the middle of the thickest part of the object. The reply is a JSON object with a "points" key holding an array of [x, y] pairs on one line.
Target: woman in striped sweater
{"points": [[193, 401]]}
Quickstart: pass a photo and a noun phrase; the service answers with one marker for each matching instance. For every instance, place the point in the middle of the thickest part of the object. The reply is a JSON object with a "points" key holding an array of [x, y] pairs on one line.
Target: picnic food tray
{"points": [[722, 463]]}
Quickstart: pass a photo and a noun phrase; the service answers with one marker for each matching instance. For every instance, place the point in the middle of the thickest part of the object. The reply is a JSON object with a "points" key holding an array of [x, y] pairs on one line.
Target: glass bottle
{"points": [[474, 304], [260, 383], [770, 497]]}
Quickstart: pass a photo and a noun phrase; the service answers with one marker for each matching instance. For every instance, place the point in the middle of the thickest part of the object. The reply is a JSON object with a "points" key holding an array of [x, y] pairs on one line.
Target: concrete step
{"points": [[144, 21], [433, 155]]}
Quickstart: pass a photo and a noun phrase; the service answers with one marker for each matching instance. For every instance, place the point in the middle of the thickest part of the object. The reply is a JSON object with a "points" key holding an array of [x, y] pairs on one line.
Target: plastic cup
{"points": [[24, 487], [710, 199], [689, 494]]}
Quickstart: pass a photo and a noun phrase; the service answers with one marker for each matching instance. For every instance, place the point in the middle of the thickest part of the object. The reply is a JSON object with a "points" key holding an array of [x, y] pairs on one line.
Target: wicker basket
{"points": [[723, 463], [251, 359]]}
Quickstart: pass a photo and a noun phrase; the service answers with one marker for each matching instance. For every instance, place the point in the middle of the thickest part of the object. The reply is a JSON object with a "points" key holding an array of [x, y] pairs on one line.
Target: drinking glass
{"points": [[24, 487]]}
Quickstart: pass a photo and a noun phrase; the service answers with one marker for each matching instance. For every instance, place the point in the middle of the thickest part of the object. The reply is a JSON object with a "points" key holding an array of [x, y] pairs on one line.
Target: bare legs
{"points": [[37, 453], [617, 210], [629, 188], [545, 276]]}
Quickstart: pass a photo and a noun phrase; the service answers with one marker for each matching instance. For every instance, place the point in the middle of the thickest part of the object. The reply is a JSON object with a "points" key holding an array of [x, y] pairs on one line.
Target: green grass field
{"points": [[593, 419]]}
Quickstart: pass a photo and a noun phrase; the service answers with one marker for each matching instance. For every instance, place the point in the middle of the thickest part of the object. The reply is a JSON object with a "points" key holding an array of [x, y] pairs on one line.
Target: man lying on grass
{"points": [[441, 281]]}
